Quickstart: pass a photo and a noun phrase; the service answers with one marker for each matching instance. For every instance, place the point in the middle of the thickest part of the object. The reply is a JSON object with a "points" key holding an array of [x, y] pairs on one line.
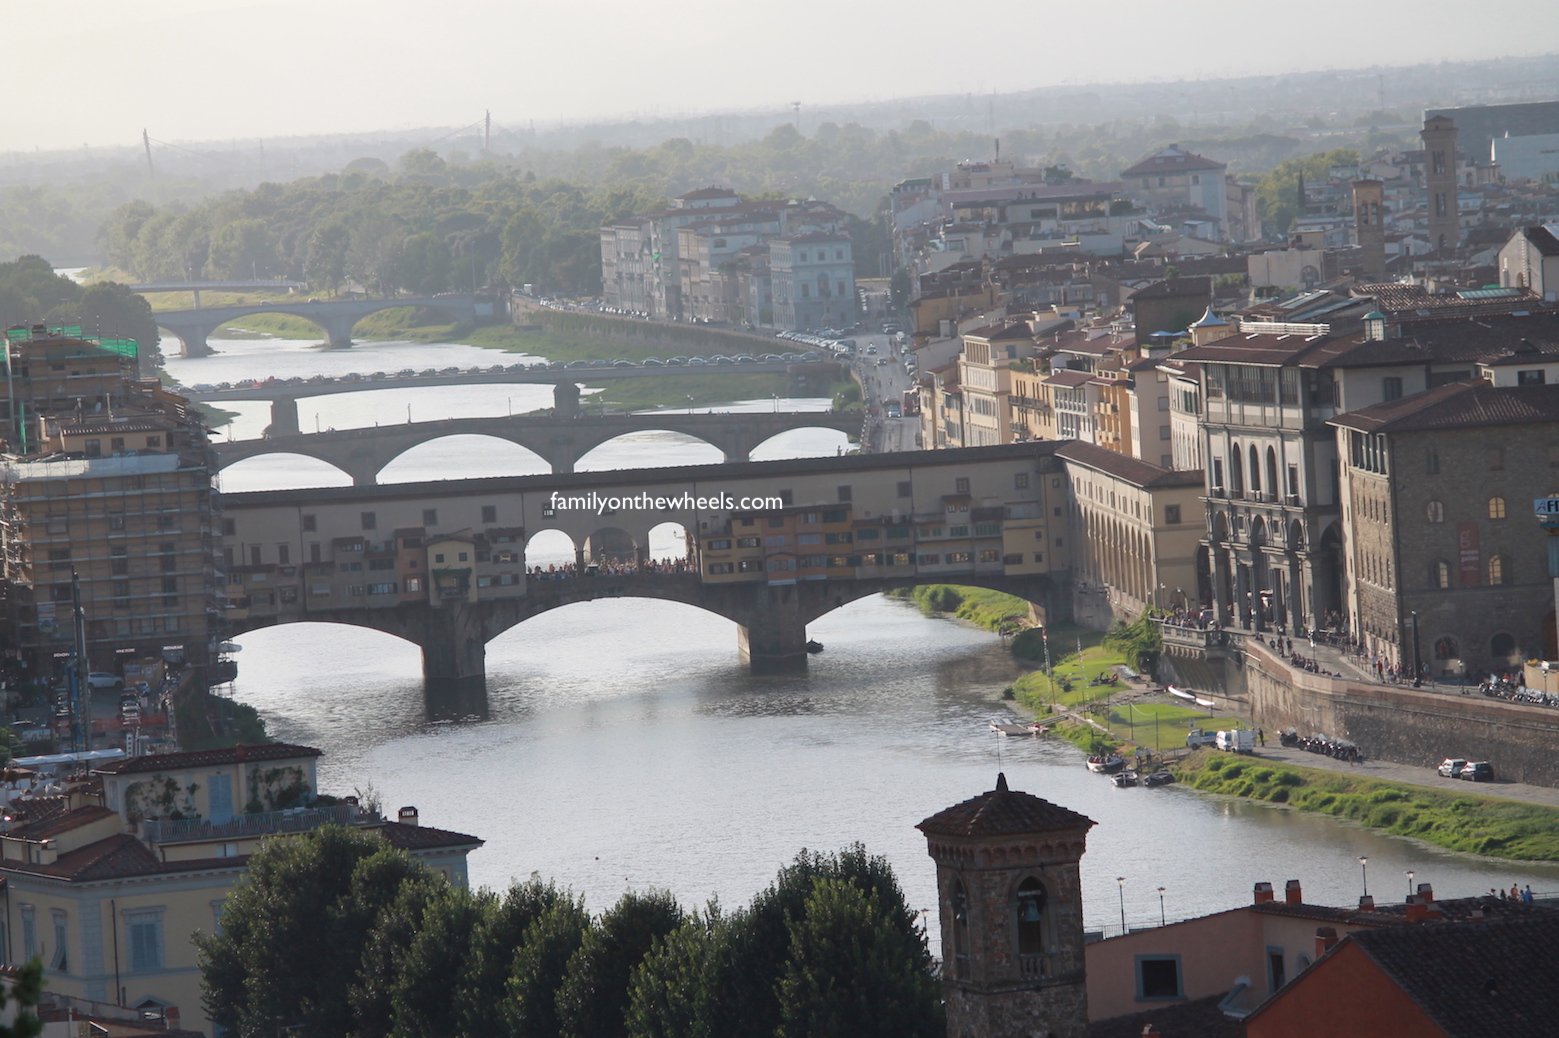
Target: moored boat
{"points": [[1122, 779], [1104, 764], [1159, 778]]}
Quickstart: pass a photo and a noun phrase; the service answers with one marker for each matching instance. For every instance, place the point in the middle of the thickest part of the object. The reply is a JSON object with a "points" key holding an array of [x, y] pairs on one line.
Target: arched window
{"points": [[1435, 512], [1236, 470], [1031, 917], [1255, 470], [1446, 649], [959, 903], [1272, 473], [1440, 574], [1499, 573], [1496, 508], [1502, 646]]}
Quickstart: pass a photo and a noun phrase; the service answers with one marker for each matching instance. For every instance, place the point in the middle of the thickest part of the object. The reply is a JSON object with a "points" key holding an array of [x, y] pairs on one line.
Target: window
{"points": [[1171, 514], [389, 589], [1031, 917], [1523, 378], [1499, 572], [1158, 977], [283, 554], [1020, 481], [1496, 458], [958, 556], [720, 545], [60, 960], [1434, 512], [1553, 457], [29, 932], [489, 513], [413, 585], [310, 523], [1276, 975], [961, 485], [750, 566], [1446, 649], [370, 520], [254, 555], [1440, 574], [1391, 388], [990, 555], [716, 568], [143, 933], [1496, 507], [1502, 646], [931, 560], [752, 542], [845, 492], [429, 517]]}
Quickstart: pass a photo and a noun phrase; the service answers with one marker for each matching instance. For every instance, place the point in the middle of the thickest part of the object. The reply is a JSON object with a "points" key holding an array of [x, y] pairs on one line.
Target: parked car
{"points": [[99, 680], [1451, 767], [1477, 771]]}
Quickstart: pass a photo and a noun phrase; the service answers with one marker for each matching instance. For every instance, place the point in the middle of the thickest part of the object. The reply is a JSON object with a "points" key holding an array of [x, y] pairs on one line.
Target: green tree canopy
{"points": [[593, 1000]]}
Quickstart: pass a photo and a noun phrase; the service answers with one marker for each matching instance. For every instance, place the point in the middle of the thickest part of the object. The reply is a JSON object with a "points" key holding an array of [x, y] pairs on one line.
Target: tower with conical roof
{"points": [[1010, 901], [1210, 328]]}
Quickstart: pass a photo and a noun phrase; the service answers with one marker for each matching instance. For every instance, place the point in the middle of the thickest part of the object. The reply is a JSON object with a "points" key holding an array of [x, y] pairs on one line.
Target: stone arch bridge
{"points": [[561, 442], [335, 318]]}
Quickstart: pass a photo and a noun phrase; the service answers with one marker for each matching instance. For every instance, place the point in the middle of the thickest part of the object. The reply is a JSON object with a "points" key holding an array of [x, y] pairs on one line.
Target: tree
{"points": [[373, 993], [426, 989], [593, 1001], [425, 263], [242, 249], [851, 973], [496, 940], [530, 1006], [676, 991], [294, 930], [26, 990], [325, 265]]}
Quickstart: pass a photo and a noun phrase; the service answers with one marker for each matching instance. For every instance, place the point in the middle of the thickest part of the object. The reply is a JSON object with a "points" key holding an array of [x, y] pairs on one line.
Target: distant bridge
{"points": [[560, 442], [805, 376], [335, 318], [443, 564]]}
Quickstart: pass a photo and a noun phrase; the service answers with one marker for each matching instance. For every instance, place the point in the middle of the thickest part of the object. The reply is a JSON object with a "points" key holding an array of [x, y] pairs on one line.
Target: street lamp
{"points": [[1120, 884], [1364, 872], [1161, 907], [1409, 882]]}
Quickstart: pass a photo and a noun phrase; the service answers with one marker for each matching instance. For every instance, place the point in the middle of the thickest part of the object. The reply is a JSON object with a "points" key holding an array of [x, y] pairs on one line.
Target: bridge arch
{"points": [[669, 540], [801, 442], [648, 448], [551, 548], [282, 470], [430, 459]]}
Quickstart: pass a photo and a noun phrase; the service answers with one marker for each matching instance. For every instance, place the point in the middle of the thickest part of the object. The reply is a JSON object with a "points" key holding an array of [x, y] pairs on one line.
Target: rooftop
{"points": [[1003, 812], [1132, 470], [1460, 405], [1173, 159], [205, 758]]}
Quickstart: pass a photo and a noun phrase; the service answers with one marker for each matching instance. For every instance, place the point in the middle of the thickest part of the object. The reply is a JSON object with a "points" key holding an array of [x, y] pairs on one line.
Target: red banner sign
{"points": [[1467, 553]]}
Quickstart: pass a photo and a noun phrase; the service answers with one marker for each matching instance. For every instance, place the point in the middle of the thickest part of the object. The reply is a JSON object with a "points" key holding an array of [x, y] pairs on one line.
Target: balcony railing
{"points": [[1034, 967], [293, 820]]}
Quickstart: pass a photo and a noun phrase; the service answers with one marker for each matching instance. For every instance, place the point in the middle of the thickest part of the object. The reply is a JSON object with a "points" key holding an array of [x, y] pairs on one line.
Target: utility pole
{"points": [[487, 133], [80, 671], [146, 142]]}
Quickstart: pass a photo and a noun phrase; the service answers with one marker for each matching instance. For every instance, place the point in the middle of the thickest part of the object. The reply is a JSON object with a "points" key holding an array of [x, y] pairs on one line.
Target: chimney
{"points": [[1149, 1031], [1417, 911], [1263, 893], [407, 816], [1292, 894], [1426, 893], [1366, 904], [1325, 938]]}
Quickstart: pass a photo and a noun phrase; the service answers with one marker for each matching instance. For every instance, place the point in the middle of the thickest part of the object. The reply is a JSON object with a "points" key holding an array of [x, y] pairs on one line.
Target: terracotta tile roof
{"points": [[1003, 812], [424, 837], [117, 857], [205, 758], [1475, 980], [1460, 405], [1069, 378], [1266, 348], [1132, 470], [1172, 159], [1173, 287], [61, 822]]}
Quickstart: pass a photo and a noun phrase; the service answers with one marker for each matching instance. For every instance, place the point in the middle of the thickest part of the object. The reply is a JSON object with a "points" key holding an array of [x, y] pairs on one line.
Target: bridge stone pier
{"points": [[443, 564]]}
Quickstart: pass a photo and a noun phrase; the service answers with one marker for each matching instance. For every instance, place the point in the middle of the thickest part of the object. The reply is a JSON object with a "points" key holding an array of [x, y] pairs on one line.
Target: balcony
{"points": [[293, 820], [1034, 967]]}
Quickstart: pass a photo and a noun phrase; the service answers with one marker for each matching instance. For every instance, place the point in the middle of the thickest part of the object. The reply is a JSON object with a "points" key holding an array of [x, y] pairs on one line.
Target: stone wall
{"points": [[1405, 725]]}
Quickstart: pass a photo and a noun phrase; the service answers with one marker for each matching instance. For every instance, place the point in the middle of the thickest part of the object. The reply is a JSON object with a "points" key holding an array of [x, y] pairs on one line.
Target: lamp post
{"points": [[1161, 921], [1409, 882], [1364, 872], [1120, 885], [1418, 672]]}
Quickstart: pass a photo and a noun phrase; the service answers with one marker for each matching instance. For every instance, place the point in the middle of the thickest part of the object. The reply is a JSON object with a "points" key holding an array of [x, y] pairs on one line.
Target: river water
{"points": [[629, 748]]}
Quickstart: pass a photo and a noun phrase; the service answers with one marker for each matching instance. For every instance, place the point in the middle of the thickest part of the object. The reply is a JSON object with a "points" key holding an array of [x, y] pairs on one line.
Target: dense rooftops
{"points": [[1460, 405]]}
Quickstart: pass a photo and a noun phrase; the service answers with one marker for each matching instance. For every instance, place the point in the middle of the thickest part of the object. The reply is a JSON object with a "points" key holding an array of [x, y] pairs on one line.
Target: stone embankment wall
{"points": [[1402, 724]]}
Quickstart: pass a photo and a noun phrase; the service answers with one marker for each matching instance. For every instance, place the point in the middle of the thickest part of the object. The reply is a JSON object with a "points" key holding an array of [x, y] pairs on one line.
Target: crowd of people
{"points": [[611, 568]]}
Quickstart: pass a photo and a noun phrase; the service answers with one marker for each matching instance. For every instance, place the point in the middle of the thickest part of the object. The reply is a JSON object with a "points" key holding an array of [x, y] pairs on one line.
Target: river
{"points": [[629, 748]]}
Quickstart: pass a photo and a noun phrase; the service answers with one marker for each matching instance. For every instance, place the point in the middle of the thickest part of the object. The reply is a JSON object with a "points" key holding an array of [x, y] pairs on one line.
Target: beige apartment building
{"points": [[108, 882]]}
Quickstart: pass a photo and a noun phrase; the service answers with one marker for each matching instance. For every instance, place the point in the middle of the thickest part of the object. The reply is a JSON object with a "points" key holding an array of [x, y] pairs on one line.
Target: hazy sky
{"points": [[223, 69]]}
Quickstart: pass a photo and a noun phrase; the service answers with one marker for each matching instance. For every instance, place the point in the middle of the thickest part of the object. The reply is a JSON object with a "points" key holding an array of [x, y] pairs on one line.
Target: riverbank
{"points": [[1476, 824]]}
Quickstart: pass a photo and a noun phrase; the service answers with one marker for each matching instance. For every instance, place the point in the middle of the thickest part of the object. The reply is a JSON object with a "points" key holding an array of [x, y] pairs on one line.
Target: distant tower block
{"points": [[1010, 901], [1439, 135], [1369, 227]]}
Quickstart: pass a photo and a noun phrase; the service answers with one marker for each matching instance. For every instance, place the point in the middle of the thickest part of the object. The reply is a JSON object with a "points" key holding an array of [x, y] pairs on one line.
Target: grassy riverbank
{"points": [[991, 610], [1458, 821]]}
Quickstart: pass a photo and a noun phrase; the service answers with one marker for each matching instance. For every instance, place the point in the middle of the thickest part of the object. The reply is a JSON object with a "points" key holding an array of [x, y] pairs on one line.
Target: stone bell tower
{"points": [[1010, 902]]}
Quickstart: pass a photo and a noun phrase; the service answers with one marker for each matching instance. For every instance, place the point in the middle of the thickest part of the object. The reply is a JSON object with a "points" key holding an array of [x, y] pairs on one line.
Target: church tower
{"points": [[1439, 136], [1010, 901], [1369, 228]]}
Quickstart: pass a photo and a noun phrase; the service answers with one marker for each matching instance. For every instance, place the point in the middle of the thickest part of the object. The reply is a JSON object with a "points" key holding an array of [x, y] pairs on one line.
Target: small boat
{"points": [[814, 647], [1159, 778], [1038, 729], [1105, 765], [1122, 779]]}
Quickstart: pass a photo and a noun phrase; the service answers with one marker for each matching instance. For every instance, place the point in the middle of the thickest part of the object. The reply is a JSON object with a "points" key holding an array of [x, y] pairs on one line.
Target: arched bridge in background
{"points": [[335, 318], [560, 442]]}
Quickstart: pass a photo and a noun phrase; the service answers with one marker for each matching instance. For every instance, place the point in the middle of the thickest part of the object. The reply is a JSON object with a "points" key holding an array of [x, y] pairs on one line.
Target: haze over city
{"points": [[197, 70]]}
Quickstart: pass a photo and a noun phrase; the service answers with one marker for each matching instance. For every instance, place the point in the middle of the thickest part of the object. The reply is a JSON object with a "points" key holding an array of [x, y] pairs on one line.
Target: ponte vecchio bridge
{"points": [[443, 564]]}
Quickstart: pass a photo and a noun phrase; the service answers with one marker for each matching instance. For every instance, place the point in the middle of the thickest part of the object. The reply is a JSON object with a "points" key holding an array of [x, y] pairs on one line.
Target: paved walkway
{"points": [[1386, 770]]}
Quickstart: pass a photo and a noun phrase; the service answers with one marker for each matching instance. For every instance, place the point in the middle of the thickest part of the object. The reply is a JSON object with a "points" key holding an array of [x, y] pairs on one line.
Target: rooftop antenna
{"points": [[147, 142]]}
